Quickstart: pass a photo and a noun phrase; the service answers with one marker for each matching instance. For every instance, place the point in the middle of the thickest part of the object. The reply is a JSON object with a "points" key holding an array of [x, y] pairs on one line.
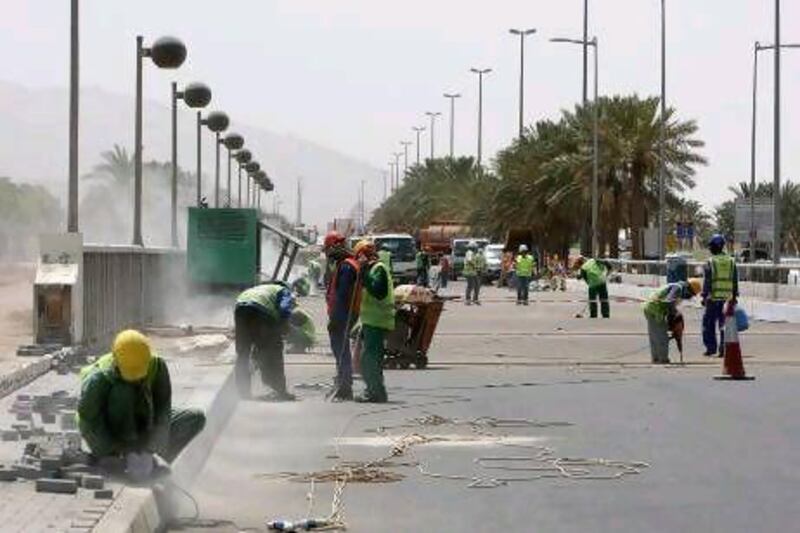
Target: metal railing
{"points": [[756, 280]]}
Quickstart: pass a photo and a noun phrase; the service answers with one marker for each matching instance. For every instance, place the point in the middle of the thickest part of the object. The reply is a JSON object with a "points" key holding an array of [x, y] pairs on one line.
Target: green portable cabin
{"points": [[224, 246]]}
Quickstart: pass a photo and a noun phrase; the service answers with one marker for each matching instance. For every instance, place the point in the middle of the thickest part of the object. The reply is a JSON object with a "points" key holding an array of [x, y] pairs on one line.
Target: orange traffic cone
{"points": [[732, 365]]}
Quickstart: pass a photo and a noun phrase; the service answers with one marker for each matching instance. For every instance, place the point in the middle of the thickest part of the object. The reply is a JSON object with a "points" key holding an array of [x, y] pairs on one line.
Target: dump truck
{"points": [[438, 237]]}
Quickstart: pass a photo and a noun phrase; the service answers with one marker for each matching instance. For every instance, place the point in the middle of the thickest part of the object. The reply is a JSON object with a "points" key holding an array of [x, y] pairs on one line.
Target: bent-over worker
{"points": [[661, 311]]}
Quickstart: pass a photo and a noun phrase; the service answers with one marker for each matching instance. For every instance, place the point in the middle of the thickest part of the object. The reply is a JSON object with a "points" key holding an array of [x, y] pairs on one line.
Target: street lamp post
{"points": [[217, 122], [418, 130], [242, 157], [74, 99], [167, 53], [397, 167], [196, 96], [391, 177], [251, 167], [753, 133], [452, 97], [480, 73], [232, 142], [776, 193], [405, 144], [595, 141], [662, 166], [433, 115], [522, 34]]}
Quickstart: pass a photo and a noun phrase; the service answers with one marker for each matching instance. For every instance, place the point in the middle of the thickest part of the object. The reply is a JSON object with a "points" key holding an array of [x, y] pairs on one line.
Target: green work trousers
{"points": [[184, 425], [599, 292], [659, 340], [372, 363]]}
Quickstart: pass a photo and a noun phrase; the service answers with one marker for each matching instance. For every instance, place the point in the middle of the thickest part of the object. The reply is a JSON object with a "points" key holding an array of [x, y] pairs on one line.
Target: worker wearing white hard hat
{"points": [[524, 265]]}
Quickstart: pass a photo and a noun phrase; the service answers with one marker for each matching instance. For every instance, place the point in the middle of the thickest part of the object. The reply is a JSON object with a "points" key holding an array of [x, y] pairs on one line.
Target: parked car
{"points": [[494, 260]]}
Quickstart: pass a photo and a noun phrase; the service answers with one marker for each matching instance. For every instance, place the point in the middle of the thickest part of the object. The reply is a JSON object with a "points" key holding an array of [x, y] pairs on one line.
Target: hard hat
{"points": [[523, 248], [696, 285], [333, 238], [716, 241], [132, 354], [364, 247]]}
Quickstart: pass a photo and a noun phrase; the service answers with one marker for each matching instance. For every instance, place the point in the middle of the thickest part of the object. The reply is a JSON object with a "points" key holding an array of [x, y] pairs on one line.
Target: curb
{"points": [[137, 510]]}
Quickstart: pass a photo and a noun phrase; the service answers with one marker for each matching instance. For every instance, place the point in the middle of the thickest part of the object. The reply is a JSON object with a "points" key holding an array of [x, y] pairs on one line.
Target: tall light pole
{"points": [[242, 158], [662, 166], [585, 51], [480, 73], [196, 96], [167, 53], [232, 142], [522, 34], [251, 168], [776, 193], [418, 130], [753, 134], [397, 156], [384, 185], [433, 115], [74, 99], [596, 145], [405, 144], [217, 122], [391, 177], [452, 97]]}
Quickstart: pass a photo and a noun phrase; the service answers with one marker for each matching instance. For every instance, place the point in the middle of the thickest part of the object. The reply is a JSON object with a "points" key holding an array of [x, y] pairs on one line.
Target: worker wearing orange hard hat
{"points": [[376, 317]]}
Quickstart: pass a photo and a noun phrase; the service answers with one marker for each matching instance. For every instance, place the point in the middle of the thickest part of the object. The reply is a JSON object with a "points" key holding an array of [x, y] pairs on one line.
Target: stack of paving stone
{"points": [[51, 458]]}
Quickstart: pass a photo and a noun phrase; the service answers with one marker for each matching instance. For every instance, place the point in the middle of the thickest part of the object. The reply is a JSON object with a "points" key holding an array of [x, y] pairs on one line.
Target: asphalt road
{"points": [[690, 453]]}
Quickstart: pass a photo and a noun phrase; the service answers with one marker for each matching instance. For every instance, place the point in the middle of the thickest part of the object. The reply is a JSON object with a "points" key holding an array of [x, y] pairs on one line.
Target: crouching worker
{"points": [[125, 408], [263, 317], [663, 317], [376, 317]]}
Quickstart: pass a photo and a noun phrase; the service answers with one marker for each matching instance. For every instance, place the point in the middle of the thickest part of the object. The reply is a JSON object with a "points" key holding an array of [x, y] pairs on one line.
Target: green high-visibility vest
{"points": [[722, 277], [385, 257], [524, 265], [595, 273], [374, 312], [471, 264], [657, 307], [263, 296]]}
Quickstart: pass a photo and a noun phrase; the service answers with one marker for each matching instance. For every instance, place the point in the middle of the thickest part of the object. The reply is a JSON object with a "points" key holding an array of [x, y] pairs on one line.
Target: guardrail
{"points": [[756, 280], [128, 286]]}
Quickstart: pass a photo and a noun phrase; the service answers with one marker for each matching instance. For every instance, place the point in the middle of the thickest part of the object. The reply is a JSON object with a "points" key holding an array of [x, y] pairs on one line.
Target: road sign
{"points": [[763, 220]]}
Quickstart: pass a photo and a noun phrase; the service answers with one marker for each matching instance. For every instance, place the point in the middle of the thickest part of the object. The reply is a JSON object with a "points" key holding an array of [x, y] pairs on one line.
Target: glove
{"points": [[139, 466]]}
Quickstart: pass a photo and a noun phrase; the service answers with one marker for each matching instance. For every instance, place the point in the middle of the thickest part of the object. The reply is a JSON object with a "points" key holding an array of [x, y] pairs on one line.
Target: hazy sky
{"points": [[356, 75]]}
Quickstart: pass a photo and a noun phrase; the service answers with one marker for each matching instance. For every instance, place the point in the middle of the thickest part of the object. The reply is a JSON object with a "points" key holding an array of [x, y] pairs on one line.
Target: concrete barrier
{"points": [[128, 286]]}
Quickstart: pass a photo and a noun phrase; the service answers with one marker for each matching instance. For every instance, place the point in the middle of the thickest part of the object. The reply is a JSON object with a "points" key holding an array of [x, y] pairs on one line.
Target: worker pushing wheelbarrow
{"points": [[418, 311]]}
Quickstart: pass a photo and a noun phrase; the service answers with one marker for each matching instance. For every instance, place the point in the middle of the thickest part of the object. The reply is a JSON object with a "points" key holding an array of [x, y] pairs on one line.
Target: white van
{"points": [[404, 254]]}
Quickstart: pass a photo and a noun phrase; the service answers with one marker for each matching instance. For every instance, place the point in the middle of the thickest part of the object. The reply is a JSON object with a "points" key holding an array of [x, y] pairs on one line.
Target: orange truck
{"points": [[438, 237]]}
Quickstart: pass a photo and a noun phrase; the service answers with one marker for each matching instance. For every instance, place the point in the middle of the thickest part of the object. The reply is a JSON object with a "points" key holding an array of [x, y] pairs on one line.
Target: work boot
{"points": [[363, 398], [343, 394]]}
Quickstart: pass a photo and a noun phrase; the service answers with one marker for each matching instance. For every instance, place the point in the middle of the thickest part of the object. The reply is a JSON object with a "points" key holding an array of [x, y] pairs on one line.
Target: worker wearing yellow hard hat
{"points": [[663, 315], [125, 407]]}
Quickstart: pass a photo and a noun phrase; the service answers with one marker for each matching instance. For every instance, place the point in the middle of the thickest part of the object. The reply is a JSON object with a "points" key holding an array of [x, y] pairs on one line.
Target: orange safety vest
{"points": [[355, 295]]}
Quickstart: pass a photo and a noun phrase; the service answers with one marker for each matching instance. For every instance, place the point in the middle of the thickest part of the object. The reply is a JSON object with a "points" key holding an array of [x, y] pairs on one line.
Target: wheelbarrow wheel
{"points": [[421, 362]]}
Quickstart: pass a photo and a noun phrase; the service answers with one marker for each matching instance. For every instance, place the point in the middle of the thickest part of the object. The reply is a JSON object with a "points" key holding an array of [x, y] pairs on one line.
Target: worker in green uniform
{"points": [[524, 265], [720, 285], [302, 334], [125, 408], [376, 317], [385, 257], [661, 311], [262, 318], [595, 273]]}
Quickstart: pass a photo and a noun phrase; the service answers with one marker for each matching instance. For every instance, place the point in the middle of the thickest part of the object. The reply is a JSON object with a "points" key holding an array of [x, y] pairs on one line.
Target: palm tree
{"points": [[116, 167]]}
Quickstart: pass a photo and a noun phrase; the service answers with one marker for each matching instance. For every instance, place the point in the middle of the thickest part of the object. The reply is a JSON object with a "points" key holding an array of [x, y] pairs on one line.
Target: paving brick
{"points": [[8, 474], [92, 482], [51, 463], [58, 486], [68, 420], [104, 494], [10, 435]]}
